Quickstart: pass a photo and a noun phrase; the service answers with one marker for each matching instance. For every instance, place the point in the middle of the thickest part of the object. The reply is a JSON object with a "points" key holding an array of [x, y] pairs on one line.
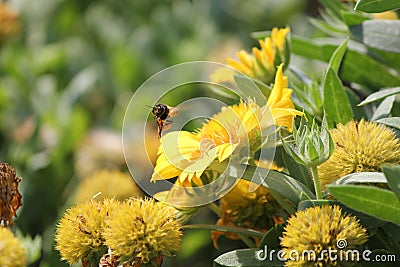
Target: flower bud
{"points": [[310, 146]]}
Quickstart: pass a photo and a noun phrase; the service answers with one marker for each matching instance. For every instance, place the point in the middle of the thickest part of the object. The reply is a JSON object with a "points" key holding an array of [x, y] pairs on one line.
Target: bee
{"points": [[162, 113]]}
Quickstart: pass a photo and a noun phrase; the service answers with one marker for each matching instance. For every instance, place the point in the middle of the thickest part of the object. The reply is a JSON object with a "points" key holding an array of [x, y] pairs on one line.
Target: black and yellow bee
{"points": [[161, 113]]}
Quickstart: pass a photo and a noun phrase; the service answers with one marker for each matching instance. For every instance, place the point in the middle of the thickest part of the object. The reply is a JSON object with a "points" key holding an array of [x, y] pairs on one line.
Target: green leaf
{"points": [[329, 28], [361, 177], [297, 171], [336, 104], [272, 237], [245, 258], [376, 6], [380, 34], [384, 108], [392, 174], [353, 18], [248, 86], [374, 201], [373, 75], [337, 57], [380, 95], [335, 6], [285, 185], [393, 122]]}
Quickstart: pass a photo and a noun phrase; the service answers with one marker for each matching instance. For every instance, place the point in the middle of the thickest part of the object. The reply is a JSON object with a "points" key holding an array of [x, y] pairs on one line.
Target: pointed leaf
{"points": [[374, 201], [373, 74], [361, 177], [285, 185], [252, 257], [376, 6], [392, 174], [272, 237], [384, 108], [393, 122], [336, 58], [380, 34], [353, 18], [380, 95], [336, 104]]}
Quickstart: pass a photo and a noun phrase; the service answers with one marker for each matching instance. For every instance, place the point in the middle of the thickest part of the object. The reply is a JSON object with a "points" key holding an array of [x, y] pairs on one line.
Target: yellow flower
{"points": [[143, 230], [12, 254], [320, 229], [280, 102], [187, 155], [110, 184], [359, 147], [79, 235], [260, 64], [242, 208]]}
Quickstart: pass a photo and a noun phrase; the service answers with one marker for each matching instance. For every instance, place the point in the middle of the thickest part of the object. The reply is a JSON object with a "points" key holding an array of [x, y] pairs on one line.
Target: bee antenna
{"points": [[149, 106]]}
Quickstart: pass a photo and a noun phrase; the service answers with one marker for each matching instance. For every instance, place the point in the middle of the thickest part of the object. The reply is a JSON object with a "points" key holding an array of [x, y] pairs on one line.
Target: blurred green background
{"points": [[72, 69]]}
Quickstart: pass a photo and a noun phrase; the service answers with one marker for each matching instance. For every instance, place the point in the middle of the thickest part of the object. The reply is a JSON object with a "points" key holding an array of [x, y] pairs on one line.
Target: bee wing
{"points": [[173, 111], [167, 125]]}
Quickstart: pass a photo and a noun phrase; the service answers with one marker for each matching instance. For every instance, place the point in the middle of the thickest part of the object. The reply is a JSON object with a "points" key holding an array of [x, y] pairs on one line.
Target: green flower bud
{"points": [[310, 146]]}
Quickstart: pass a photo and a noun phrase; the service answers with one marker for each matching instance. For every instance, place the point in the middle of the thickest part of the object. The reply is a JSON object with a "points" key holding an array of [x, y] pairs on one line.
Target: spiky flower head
{"points": [[320, 229], [12, 254], [359, 147], [110, 183], [142, 231], [79, 235], [10, 198]]}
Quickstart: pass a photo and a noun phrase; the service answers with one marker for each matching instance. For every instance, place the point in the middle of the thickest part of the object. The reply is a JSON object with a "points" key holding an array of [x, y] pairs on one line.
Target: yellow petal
{"points": [[225, 150]]}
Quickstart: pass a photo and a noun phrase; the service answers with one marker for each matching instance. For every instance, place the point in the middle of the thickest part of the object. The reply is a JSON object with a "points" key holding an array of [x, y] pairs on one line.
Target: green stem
{"points": [[284, 204], [247, 241], [317, 184], [215, 209], [225, 229]]}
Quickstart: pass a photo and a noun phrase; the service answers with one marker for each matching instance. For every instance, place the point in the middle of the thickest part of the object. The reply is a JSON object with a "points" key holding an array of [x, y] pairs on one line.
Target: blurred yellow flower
{"points": [[320, 229], [280, 102], [12, 254], [143, 230], [187, 155], [359, 147], [100, 149], [110, 183], [9, 23], [79, 235], [260, 64], [386, 15]]}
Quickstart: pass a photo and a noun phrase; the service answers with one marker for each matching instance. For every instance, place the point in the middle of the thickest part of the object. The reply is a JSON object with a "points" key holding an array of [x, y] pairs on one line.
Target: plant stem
{"points": [[282, 202], [215, 209], [317, 184], [225, 229], [247, 241]]}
